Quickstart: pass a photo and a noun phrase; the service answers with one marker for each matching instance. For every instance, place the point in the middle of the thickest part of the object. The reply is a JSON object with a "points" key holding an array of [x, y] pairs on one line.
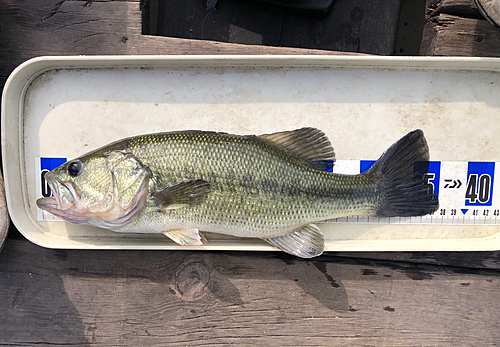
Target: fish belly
{"points": [[261, 214]]}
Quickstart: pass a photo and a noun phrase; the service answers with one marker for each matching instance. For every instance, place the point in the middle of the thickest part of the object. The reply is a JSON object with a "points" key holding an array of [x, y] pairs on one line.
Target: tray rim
{"points": [[21, 78]]}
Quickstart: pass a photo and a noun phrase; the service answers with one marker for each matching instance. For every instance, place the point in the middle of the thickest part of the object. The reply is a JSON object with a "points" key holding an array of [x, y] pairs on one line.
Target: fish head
{"points": [[105, 190]]}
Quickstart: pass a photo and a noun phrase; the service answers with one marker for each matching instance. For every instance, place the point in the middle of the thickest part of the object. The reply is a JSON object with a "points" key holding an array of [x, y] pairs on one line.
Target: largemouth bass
{"points": [[272, 187]]}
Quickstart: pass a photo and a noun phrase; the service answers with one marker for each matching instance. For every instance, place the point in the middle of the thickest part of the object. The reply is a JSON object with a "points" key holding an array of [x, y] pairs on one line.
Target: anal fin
{"points": [[306, 242], [190, 237]]}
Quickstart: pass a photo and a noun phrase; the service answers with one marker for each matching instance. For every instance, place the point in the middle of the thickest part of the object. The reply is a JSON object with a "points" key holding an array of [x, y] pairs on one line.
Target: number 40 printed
{"points": [[479, 190]]}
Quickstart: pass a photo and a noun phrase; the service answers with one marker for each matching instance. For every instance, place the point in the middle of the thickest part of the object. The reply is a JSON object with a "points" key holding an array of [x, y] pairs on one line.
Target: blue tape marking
{"points": [[51, 163], [364, 165], [329, 164], [434, 175], [480, 178]]}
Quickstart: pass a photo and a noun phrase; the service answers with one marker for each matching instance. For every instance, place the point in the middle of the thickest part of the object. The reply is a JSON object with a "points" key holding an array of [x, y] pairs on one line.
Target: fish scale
{"points": [[272, 186], [249, 178]]}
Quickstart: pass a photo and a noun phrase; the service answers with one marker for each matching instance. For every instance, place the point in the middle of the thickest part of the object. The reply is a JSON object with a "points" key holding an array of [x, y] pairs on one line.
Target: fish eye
{"points": [[75, 168]]}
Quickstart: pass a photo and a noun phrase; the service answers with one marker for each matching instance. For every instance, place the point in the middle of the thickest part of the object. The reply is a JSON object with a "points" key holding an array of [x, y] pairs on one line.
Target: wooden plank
{"points": [[460, 8], [456, 28], [473, 260], [53, 27], [138, 298], [447, 35], [410, 27], [352, 26]]}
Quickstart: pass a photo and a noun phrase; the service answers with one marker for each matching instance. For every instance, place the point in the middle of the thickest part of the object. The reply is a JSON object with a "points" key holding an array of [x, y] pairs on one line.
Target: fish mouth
{"points": [[64, 196], [47, 203]]}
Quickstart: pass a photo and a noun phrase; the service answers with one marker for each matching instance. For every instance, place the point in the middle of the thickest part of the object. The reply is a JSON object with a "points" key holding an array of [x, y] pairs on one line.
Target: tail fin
{"points": [[401, 172]]}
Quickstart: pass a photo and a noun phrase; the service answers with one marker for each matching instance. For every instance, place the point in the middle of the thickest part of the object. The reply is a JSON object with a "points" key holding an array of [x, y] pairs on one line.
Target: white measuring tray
{"points": [[62, 107]]}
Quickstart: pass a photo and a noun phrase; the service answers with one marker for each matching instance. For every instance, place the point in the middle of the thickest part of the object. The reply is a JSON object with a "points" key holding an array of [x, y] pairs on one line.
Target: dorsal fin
{"points": [[310, 144]]}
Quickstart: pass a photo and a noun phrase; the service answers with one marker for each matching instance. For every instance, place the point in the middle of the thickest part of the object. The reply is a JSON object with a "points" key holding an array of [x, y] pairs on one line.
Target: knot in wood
{"points": [[192, 279]]}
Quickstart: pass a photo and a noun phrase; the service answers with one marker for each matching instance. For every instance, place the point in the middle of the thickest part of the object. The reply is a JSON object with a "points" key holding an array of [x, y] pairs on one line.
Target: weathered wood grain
{"points": [[54, 27], [50, 297], [447, 35], [147, 298], [457, 28], [472, 260], [460, 8], [353, 26]]}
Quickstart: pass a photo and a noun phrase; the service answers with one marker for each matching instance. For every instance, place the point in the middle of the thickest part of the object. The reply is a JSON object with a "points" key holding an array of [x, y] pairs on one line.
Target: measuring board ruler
{"points": [[468, 192]]}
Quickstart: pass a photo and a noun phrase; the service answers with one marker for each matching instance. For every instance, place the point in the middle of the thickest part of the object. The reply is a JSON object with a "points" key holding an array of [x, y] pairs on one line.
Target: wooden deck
{"points": [[183, 298], [456, 27], [142, 298], [352, 26]]}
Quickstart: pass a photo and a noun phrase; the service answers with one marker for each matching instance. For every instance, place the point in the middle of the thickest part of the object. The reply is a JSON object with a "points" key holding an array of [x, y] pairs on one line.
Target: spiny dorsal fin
{"points": [[182, 194], [310, 144], [306, 242]]}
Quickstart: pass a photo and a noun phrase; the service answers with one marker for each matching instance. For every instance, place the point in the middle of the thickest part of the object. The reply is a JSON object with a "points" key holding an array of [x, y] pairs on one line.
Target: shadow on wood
{"points": [[149, 297], [36, 309], [351, 26], [54, 27]]}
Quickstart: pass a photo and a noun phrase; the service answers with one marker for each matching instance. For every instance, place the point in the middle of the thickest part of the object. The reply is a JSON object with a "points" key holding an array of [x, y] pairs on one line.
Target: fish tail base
{"points": [[402, 178]]}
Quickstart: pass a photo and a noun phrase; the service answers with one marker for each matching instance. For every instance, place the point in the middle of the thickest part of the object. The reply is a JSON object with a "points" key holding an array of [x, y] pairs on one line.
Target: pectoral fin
{"points": [[305, 242], [184, 237], [182, 194]]}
